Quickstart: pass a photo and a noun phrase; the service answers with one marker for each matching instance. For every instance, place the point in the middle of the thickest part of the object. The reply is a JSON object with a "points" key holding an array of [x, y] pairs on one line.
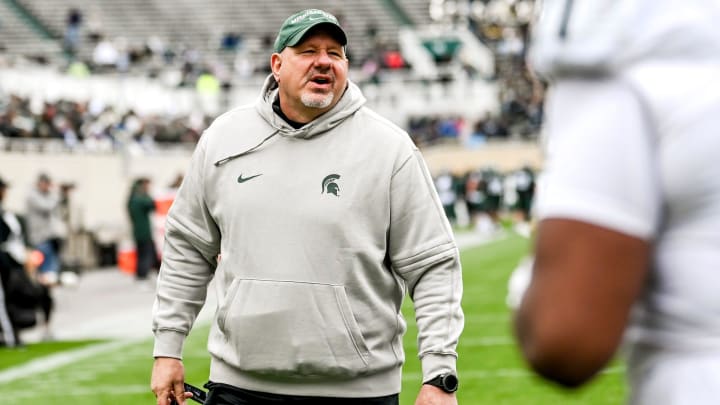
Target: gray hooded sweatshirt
{"points": [[313, 236]]}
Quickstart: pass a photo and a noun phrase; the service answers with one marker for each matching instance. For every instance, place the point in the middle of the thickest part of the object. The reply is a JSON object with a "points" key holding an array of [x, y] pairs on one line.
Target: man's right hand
{"points": [[168, 378]]}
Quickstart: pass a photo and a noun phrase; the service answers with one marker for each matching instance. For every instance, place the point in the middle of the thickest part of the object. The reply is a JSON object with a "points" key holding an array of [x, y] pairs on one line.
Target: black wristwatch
{"points": [[446, 382]]}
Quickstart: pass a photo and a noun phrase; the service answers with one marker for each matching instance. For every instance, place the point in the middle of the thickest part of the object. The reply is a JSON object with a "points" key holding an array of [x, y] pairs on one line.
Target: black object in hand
{"points": [[199, 395]]}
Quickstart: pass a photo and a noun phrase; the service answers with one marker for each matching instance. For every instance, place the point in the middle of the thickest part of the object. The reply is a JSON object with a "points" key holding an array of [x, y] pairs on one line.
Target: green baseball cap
{"points": [[297, 25]]}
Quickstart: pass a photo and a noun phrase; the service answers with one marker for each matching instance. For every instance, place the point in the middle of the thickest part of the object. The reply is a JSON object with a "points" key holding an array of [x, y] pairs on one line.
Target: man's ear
{"points": [[275, 64]]}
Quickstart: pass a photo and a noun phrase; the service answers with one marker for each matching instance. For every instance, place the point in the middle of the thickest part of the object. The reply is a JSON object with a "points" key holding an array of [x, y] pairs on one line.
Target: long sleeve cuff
{"points": [[434, 364], [168, 343]]}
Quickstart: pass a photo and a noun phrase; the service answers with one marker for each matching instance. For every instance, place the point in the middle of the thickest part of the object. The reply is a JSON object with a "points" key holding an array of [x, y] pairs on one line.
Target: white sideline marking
{"points": [[487, 341], [481, 341], [79, 391], [51, 362]]}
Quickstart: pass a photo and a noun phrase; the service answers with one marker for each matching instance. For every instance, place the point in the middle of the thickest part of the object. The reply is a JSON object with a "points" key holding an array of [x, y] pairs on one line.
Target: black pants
{"points": [[223, 394], [146, 258], [46, 303]]}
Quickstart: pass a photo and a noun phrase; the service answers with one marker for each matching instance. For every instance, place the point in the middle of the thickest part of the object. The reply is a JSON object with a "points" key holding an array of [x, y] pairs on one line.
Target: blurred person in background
{"points": [[73, 31], [493, 205], [525, 189], [71, 253], [628, 243], [445, 186], [46, 229], [140, 206], [311, 249], [475, 195]]}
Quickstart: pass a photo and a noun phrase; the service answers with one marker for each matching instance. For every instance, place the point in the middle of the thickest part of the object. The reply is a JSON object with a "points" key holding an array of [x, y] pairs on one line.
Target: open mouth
{"points": [[320, 80]]}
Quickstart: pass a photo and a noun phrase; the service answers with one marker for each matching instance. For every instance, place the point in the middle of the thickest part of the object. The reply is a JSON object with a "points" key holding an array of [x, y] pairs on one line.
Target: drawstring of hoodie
{"points": [[229, 158], [338, 114]]}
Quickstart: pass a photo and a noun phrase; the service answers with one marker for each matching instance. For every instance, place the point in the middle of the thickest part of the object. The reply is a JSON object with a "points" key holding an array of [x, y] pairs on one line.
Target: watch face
{"points": [[450, 382]]}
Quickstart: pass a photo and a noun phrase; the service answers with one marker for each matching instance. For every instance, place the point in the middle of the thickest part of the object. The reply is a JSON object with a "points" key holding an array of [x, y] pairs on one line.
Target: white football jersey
{"points": [[595, 36], [637, 149]]}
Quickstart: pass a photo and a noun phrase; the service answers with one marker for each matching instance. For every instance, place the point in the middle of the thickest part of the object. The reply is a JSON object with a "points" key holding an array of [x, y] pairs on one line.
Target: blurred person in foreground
{"points": [[21, 295], [315, 216], [140, 205], [9, 233], [628, 243]]}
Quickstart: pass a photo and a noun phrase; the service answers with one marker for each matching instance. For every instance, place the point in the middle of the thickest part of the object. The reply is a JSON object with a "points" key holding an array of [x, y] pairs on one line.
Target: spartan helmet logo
{"points": [[330, 186]]}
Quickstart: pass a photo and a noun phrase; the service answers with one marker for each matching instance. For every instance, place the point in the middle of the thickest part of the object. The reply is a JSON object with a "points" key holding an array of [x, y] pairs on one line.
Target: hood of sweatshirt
{"points": [[350, 101]]}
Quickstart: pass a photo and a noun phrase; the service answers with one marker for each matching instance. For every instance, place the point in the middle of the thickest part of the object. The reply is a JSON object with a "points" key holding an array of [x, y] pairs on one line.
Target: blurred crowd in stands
{"points": [[515, 117], [95, 126], [92, 126]]}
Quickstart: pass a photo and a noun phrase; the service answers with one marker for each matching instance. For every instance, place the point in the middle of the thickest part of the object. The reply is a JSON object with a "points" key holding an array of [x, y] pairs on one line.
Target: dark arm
{"points": [[585, 281]]}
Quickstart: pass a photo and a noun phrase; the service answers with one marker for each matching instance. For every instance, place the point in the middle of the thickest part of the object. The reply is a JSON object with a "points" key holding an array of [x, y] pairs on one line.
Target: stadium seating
{"points": [[442, 89], [17, 36], [416, 10], [201, 25]]}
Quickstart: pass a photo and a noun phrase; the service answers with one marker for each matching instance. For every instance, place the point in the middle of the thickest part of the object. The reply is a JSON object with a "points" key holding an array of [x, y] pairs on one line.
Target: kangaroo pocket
{"points": [[291, 329]]}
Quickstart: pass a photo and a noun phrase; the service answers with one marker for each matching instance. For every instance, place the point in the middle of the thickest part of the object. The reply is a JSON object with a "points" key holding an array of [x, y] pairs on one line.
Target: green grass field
{"points": [[491, 370]]}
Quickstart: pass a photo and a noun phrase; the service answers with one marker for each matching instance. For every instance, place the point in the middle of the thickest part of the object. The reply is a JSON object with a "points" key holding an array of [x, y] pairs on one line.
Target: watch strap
{"points": [[446, 382]]}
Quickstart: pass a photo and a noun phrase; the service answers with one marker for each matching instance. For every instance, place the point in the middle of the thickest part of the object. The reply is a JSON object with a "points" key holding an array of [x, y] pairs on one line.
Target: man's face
{"points": [[44, 186], [311, 75]]}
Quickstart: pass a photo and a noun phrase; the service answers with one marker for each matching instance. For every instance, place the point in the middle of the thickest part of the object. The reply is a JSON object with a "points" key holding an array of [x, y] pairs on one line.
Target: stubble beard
{"points": [[314, 100]]}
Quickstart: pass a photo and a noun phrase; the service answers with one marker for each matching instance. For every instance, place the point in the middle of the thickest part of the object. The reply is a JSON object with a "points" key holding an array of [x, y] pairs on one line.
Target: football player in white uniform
{"points": [[628, 243]]}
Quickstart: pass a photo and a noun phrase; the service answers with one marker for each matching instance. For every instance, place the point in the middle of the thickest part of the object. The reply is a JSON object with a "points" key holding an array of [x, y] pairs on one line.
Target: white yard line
{"points": [[53, 361], [471, 239], [80, 391], [482, 341]]}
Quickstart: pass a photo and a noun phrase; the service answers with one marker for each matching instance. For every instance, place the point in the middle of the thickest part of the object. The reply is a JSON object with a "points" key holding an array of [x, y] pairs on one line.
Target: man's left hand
{"points": [[431, 395]]}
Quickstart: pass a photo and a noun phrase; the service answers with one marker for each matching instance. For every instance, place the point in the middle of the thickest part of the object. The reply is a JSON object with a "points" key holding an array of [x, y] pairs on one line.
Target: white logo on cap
{"points": [[312, 12]]}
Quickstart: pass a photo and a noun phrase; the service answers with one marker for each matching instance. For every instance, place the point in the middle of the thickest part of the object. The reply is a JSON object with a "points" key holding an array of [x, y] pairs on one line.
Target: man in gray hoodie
{"points": [[315, 217]]}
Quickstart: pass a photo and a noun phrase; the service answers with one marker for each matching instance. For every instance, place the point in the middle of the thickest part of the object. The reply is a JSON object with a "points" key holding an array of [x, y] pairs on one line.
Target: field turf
{"points": [[491, 370]]}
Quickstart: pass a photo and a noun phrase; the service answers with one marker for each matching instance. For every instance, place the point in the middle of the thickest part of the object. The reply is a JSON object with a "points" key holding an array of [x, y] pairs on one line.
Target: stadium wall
{"points": [[103, 180], [503, 156], [102, 183]]}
